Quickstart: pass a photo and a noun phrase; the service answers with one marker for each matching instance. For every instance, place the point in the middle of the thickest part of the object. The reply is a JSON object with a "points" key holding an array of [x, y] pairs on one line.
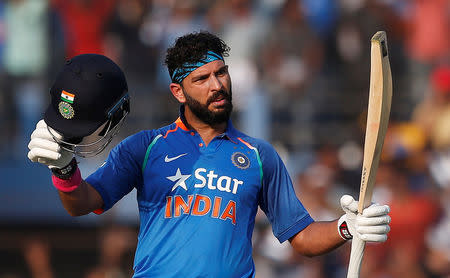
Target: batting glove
{"points": [[372, 225], [45, 150]]}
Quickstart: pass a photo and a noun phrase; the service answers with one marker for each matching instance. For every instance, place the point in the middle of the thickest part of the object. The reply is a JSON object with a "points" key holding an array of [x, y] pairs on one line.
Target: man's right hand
{"points": [[45, 150]]}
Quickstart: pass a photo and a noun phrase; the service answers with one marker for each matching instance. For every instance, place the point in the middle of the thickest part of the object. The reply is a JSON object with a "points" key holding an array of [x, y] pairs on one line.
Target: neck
{"points": [[206, 131]]}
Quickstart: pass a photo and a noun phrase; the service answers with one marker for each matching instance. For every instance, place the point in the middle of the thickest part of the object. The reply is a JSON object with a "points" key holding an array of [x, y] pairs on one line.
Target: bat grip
{"points": [[356, 256]]}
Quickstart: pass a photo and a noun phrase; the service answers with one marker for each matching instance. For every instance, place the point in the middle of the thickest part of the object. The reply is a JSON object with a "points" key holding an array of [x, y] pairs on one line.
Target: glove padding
{"points": [[45, 150], [372, 225]]}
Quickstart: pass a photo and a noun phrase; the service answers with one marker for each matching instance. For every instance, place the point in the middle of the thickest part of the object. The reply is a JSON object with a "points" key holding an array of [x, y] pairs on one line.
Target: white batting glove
{"points": [[45, 150], [372, 225]]}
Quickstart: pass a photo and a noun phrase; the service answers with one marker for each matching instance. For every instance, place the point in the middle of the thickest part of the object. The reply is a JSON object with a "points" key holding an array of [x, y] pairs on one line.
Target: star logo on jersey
{"points": [[180, 180]]}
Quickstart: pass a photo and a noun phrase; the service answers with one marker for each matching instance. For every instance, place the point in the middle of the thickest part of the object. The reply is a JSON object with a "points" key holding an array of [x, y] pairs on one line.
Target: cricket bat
{"points": [[380, 95]]}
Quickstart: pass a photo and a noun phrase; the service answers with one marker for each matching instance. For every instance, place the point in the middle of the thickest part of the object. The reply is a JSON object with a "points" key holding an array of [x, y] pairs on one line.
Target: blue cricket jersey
{"points": [[197, 203]]}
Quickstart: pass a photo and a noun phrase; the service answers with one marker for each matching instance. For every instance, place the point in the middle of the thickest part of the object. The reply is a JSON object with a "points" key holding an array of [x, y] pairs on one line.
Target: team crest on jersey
{"points": [[240, 160], [66, 110]]}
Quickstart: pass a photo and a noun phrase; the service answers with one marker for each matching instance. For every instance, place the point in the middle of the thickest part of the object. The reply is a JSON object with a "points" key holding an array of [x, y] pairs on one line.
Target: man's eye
{"points": [[222, 72], [200, 78]]}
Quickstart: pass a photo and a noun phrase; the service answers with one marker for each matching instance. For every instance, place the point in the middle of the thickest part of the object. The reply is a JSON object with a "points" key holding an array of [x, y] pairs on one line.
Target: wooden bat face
{"points": [[380, 95]]}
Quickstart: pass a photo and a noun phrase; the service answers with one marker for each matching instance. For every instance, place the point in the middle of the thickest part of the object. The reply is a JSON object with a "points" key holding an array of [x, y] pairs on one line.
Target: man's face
{"points": [[208, 92]]}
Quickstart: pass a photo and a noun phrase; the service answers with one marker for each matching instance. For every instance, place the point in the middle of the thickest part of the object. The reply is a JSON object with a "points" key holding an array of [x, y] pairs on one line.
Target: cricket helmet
{"points": [[89, 102]]}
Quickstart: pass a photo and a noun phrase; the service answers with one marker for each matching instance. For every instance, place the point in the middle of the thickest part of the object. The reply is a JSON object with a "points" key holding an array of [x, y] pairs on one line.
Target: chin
{"points": [[218, 110]]}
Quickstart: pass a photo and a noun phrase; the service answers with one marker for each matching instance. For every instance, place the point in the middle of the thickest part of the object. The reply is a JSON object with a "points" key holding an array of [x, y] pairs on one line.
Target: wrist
{"points": [[67, 171], [68, 185], [343, 228], [68, 178]]}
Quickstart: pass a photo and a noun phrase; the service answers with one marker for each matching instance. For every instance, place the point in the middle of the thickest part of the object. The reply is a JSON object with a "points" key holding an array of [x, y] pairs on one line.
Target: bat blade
{"points": [[380, 96]]}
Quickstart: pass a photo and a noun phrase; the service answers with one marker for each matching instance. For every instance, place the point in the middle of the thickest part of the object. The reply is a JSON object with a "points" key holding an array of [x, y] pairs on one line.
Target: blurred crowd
{"points": [[300, 72]]}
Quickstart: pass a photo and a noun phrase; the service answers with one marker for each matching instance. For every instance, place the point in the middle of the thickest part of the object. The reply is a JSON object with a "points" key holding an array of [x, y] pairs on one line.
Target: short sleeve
{"points": [[122, 170], [285, 212]]}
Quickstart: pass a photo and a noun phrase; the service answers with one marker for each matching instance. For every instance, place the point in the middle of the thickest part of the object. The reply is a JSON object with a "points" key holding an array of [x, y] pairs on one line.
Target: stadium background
{"points": [[300, 71]]}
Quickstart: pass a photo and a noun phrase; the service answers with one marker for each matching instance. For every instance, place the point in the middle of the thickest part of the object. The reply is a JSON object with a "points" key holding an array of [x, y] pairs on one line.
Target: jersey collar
{"points": [[230, 132]]}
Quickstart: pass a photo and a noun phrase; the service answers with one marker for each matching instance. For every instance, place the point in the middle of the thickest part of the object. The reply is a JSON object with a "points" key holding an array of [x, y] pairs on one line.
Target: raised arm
{"points": [[83, 200], [77, 196]]}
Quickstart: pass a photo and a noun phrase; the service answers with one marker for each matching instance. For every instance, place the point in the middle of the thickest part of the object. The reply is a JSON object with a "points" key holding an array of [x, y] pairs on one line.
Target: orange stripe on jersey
{"points": [[98, 211], [180, 123], [169, 131], [257, 157], [247, 144]]}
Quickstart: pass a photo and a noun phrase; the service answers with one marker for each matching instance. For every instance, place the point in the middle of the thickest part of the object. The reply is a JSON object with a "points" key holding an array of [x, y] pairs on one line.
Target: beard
{"points": [[202, 111]]}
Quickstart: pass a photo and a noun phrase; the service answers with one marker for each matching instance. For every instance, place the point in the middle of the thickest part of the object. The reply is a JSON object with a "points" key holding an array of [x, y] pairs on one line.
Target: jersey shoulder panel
{"points": [[134, 145], [266, 151], [138, 143], [278, 200], [155, 135], [121, 172]]}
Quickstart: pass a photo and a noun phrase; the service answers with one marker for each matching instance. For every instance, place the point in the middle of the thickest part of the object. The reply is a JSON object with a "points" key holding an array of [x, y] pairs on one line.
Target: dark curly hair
{"points": [[192, 47]]}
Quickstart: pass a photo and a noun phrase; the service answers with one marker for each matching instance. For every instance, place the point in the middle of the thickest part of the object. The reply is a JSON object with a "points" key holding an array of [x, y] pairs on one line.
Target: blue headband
{"points": [[179, 74]]}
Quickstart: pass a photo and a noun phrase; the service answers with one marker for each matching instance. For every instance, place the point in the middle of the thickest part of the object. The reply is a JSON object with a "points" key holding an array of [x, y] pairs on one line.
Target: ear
{"points": [[177, 92]]}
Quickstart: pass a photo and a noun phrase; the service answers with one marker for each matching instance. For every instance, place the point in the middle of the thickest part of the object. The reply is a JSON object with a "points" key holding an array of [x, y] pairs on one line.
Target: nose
{"points": [[215, 83]]}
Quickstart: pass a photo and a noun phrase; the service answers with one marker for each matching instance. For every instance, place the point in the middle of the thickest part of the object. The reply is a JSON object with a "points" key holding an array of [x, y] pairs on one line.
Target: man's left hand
{"points": [[372, 225]]}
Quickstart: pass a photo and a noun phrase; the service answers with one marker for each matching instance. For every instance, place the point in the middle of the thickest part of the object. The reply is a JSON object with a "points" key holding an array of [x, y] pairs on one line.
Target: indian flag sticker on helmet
{"points": [[66, 110], [66, 96]]}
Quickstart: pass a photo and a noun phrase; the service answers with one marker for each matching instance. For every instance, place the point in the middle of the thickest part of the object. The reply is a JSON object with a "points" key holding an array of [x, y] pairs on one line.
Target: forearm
{"points": [[83, 200], [317, 239]]}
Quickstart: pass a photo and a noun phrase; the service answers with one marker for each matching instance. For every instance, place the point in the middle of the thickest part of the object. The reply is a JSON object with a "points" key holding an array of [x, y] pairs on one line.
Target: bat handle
{"points": [[356, 256]]}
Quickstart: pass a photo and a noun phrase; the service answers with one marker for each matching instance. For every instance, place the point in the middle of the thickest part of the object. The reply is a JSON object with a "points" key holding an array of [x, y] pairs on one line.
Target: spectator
{"points": [[116, 242], [289, 60], [126, 41], [433, 113], [25, 61], [84, 24], [427, 40], [37, 257]]}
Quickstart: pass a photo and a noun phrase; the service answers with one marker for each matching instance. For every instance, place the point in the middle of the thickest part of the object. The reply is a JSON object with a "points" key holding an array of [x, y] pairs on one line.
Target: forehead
{"points": [[208, 68]]}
